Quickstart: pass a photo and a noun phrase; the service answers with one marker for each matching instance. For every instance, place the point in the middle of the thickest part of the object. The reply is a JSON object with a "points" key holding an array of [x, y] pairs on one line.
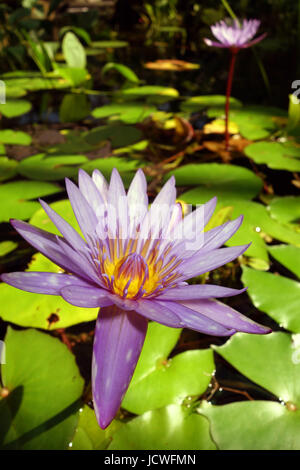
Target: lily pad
{"points": [[119, 135], [11, 137], [173, 427], [287, 255], [286, 210], [40, 411], [159, 381], [254, 122], [73, 51], [89, 435], [19, 195], [13, 108], [196, 103], [129, 113], [253, 425], [51, 168], [47, 312], [7, 247], [216, 179], [275, 155], [152, 93], [278, 296], [8, 168], [271, 361]]}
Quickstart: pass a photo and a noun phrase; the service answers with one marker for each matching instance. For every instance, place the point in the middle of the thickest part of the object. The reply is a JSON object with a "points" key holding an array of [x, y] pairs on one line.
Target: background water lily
{"points": [[233, 35], [133, 263]]}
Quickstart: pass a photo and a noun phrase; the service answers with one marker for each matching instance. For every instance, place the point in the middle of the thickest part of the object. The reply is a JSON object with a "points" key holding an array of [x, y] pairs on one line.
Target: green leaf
{"points": [[73, 51], [118, 134], [74, 75], [13, 108], [287, 255], [18, 197], [11, 137], [89, 435], [7, 247], [254, 122], [40, 411], [159, 381], [50, 168], [125, 71], [130, 113], [152, 93], [173, 427], [47, 312], [266, 292], [275, 155], [109, 44], [253, 425], [216, 179], [269, 360], [74, 108], [196, 103], [286, 210], [8, 168]]}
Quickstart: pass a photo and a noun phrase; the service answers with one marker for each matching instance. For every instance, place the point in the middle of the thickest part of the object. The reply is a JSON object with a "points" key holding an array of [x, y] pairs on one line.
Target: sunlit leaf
{"points": [[173, 427], [40, 411], [278, 296]]}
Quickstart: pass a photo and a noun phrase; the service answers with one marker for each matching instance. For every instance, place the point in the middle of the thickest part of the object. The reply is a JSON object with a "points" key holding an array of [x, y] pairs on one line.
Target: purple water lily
{"points": [[133, 263], [233, 34]]}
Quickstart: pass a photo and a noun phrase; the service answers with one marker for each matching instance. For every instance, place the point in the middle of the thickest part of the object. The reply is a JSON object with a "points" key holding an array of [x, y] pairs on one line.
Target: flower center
{"points": [[130, 275]]}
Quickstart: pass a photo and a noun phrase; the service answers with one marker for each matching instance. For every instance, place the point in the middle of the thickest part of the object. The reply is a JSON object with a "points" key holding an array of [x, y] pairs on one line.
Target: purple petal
{"points": [[211, 43], [46, 243], [84, 214], [156, 311], [217, 236], [255, 41], [137, 201], [201, 262], [90, 191], [42, 283], [82, 296], [119, 338], [191, 227], [68, 232], [225, 315], [201, 291], [167, 195], [101, 184], [194, 320]]}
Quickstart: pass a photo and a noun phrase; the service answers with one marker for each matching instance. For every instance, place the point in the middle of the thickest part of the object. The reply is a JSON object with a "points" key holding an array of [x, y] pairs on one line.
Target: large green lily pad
{"points": [[50, 168], [11, 137], [169, 428], [13, 108], [254, 122], [159, 381], [275, 155], [275, 295], [286, 210], [129, 113], [8, 168], [19, 198], [41, 410], [288, 255], [271, 361], [253, 425], [89, 435], [216, 179]]}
